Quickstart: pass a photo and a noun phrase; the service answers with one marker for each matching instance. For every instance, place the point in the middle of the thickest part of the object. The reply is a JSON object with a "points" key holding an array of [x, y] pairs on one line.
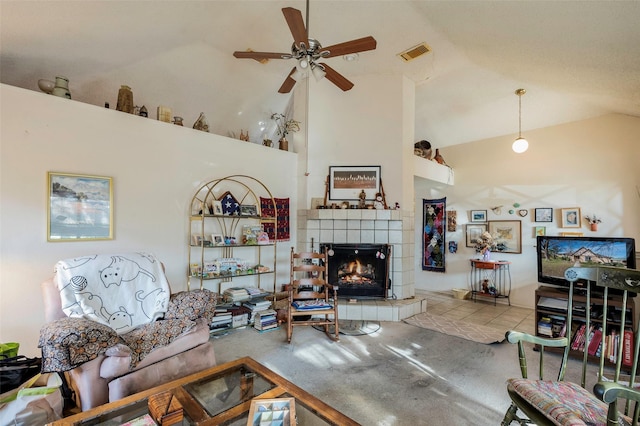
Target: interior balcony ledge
{"points": [[428, 169]]}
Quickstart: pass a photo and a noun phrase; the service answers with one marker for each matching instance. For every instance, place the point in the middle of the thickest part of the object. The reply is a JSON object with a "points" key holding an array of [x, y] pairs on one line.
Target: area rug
{"points": [[353, 327], [465, 330]]}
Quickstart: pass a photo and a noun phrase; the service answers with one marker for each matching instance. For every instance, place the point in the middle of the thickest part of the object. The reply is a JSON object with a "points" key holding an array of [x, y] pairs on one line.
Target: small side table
{"points": [[490, 279]]}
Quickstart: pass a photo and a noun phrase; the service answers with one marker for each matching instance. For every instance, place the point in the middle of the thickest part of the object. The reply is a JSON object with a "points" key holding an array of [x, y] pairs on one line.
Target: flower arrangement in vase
{"points": [[285, 126], [484, 245], [593, 222]]}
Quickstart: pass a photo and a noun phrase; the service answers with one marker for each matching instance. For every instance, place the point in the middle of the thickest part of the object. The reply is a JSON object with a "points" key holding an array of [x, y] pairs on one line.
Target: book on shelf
{"points": [[259, 305], [595, 341], [236, 294], [544, 327], [627, 348]]}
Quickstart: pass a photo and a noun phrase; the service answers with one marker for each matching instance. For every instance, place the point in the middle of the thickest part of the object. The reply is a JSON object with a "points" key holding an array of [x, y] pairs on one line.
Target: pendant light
{"points": [[520, 145]]}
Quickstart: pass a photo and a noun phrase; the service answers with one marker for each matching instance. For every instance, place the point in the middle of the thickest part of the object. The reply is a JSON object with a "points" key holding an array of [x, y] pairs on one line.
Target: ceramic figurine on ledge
{"points": [[378, 203], [422, 149], [362, 197], [201, 123]]}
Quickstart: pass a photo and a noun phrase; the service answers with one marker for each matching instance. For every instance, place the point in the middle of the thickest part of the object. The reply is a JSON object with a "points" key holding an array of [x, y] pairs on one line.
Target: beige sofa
{"points": [[102, 366]]}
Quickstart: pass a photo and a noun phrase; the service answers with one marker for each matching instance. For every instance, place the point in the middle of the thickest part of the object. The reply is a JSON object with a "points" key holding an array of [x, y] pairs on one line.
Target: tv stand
{"points": [[557, 314]]}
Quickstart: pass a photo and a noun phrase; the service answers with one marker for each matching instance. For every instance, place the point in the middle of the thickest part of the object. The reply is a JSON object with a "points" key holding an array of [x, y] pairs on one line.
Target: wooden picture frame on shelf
{"points": [[248, 210], [217, 239], [217, 207]]}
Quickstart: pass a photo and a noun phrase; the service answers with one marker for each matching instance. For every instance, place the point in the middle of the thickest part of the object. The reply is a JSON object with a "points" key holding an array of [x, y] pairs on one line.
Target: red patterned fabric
{"points": [[282, 216], [564, 403]]}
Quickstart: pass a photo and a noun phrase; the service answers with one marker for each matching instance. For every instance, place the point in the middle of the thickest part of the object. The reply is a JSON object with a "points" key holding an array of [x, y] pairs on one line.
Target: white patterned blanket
{"points": [[121, 291]]}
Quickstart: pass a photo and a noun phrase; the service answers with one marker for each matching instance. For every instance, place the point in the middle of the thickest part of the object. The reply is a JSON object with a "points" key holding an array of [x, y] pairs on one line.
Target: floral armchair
{"points": [[105, 352]]}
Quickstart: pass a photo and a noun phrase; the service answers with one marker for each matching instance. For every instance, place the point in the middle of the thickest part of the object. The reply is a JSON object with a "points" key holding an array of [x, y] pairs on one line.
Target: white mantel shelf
{"points": [[432, 170], [354, 214]]}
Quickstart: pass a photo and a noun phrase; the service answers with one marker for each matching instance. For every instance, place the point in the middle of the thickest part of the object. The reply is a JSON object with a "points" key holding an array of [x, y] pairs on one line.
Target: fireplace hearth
{"points": [[361, 270]]}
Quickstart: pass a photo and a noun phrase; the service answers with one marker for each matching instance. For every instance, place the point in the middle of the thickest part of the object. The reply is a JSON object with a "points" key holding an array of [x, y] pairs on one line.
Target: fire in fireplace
{"points": [[361, 270]]}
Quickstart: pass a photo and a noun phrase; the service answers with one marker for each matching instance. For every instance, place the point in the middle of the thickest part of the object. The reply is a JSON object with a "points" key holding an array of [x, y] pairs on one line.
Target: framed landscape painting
{"points": [[347, 182], [478, 215], [80, 207], [507, 234], [473, 233]]}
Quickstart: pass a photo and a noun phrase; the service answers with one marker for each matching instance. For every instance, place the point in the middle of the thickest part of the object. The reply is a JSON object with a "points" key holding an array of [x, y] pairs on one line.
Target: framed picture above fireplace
{"points": [[348, 182]]}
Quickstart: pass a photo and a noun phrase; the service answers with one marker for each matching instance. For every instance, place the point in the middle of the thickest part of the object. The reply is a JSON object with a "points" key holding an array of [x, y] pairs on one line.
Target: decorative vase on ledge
{"points": [[486, 255], [594, 227], [284, 144], [61, 88]]}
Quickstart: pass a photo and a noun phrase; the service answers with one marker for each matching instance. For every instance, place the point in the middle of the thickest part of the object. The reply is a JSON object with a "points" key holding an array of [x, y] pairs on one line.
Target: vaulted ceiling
{"points": [[576, 59]]}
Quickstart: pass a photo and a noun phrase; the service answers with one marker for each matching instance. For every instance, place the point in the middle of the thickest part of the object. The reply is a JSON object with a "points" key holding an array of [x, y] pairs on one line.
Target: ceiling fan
{"points": [[307, 52]]}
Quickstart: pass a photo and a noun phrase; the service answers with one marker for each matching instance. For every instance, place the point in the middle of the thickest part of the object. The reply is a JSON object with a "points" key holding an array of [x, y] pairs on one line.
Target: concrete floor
{"points": [[401, 374]]}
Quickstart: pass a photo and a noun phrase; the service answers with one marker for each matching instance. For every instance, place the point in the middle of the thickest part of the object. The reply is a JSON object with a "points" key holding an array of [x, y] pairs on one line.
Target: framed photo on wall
{"points": [[473, 233], [80, 207], [544, 214], [347, 182], [478, 216], [507, 234], [571, 217]]}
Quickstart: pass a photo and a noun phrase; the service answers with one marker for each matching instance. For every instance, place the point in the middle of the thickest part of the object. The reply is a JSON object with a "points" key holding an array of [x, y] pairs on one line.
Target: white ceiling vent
{"points": [[415, 52]]}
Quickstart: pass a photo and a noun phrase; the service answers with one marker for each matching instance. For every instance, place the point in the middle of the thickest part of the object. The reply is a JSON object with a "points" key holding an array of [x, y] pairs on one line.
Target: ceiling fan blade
{"points": [[259, 55], [336, 78], [353, 46], [288, 83], [296, 26]]}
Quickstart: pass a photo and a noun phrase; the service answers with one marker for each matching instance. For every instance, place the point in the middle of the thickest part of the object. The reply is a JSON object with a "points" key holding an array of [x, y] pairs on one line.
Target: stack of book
{"points": [[222, 320], [257, 305], [544, 327], [236, 294], [266, 320]]}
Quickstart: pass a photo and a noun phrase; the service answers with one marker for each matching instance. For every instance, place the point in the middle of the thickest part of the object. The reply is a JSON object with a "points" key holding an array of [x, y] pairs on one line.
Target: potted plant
{"points": [[593, 222], [285, 126]]}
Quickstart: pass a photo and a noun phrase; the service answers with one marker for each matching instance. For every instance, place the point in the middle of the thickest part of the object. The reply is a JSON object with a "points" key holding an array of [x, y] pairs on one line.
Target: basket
{"points": [[459, 293], [9, 350]]}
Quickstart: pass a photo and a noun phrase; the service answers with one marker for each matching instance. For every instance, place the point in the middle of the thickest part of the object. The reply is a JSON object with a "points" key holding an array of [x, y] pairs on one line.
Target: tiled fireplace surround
{"points": [[394, 227]]}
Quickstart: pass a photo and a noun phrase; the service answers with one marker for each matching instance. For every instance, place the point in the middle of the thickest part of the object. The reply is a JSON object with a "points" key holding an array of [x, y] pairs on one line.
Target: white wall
{"points": [[591, 164], [363, 126], [156, 168]]}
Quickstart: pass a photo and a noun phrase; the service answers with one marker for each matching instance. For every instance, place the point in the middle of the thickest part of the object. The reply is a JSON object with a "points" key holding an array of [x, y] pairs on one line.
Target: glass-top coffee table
{"points": [[220, 395]]}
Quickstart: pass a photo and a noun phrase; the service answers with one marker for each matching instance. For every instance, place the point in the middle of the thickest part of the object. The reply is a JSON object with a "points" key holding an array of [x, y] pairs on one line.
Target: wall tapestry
{"points": [[282, 216], [433, 238]]}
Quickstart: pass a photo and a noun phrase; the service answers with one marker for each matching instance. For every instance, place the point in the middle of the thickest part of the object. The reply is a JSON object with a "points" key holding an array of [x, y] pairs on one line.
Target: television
{"points": [[556, 254]]}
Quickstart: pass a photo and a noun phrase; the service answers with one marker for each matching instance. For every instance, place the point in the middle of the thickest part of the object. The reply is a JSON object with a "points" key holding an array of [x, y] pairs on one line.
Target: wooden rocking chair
{"points": [[310, 295], [615, 398]]}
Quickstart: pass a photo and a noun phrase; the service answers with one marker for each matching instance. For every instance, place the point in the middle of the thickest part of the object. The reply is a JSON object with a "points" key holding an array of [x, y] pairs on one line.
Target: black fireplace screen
{"points": [[361, 270]]}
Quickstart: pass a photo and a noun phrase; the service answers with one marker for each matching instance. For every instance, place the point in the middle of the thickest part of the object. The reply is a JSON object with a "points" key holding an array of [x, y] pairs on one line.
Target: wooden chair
{"points": [[614, 400], [310, 295]]}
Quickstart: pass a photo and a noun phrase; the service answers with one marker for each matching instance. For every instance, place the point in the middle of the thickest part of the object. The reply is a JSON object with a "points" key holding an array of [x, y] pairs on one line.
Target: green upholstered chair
{"points": [[615, 396]]}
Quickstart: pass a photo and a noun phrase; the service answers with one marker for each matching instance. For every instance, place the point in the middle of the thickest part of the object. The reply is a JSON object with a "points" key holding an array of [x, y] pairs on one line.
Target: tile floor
{"points": [[501, 316]]}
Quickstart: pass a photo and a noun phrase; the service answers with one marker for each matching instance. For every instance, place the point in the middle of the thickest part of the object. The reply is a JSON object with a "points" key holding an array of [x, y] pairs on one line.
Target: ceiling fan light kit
{"points": [[520, 145], [308, 52]]}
